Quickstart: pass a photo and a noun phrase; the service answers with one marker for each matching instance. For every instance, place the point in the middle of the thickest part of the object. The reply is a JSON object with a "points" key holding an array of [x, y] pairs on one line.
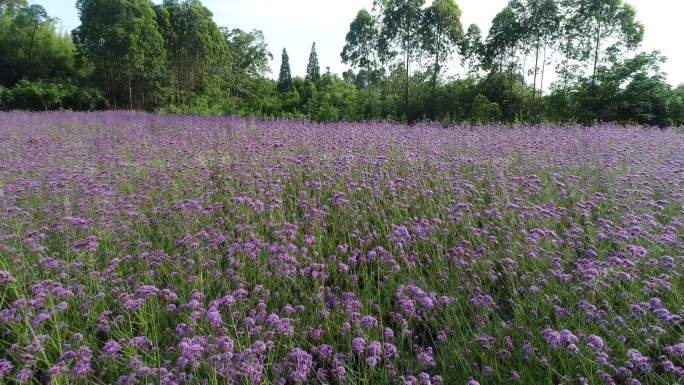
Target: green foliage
{"points": [[84, 98], [195, 47], [675, 106], [172, 57], [484, 111], [313, 69], [603, 29], [540, 21], [334, 100], [244, 78], [285, 84], [502, 42], [40, 95], [29, 95], [631, 91], [362, 50], [361, 42], [402, 22], [248, 53], [471, 49], [123, 40], [4, 98], [12, 7], [441, 30], [30, 48]]}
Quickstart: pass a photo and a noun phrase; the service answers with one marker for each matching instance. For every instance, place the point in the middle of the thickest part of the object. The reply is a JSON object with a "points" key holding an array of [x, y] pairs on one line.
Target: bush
{"points": [[36, 95], [84, 99], [40, 95], [4, 98], [484, 111]]}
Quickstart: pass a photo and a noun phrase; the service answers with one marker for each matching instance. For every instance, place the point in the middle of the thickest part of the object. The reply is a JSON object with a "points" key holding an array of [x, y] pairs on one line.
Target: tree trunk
{"points": [[370, 102], [596, 53], [435, 73], [536, 67], [566, 53], [510, 79], [114, 95], [541, 82], [106, 83], [406, 86], [33, 37], [130, 92]]}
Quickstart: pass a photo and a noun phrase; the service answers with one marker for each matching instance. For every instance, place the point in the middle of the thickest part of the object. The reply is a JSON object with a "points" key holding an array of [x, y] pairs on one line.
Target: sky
{"points": [[295, 24]]}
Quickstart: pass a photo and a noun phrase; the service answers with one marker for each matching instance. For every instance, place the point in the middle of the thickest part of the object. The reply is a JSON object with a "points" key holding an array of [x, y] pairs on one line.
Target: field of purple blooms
{"points": [[146, 249]]}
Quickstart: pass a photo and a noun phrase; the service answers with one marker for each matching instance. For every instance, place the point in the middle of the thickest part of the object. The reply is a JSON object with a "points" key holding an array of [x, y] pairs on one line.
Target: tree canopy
{"points": [[572, 61]]}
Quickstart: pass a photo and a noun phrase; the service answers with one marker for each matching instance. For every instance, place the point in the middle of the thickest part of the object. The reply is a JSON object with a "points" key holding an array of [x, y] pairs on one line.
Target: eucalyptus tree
{"points": [[248, 51], [605, 30], [402, 20], [631, 90], [568, 67], [471, 48], [441, 30], [503, 40], [123, 40], [33, 17], [361, 48], [196, 49], [500, 56], [249, 60], [540, 22]]}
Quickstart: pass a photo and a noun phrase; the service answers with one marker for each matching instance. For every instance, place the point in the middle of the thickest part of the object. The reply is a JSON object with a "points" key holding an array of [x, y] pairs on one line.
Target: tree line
{"points": [[541, 60]]}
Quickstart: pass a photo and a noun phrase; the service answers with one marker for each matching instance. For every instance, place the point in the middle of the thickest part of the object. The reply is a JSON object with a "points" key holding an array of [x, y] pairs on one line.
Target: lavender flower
{"points": [[5, 367], [302, 364], [358, 345]]}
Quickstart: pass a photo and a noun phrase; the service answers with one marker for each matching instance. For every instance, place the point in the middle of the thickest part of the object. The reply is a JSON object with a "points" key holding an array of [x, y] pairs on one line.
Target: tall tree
{"points": [[248, 51], [195, 47], [503, 40], [248, 61], [30, 48], [675, 106], [361, 47], [568, 67], [285, 77], [471, 49], [501, 55], [631, 90], [313, 70], [402, 20], [12, 7], [123, 40], [540, 22], [249, 58], [606, 29], [441, 31], [32, 16]]}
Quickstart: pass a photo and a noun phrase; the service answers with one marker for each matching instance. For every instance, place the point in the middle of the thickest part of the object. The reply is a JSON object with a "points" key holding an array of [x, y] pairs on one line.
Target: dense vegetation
{"points": [[172, 57], [183, 250]]}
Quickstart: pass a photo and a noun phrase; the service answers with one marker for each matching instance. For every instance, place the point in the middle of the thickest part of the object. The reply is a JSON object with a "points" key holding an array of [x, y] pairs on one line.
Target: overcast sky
{"points": [[295, 24]]}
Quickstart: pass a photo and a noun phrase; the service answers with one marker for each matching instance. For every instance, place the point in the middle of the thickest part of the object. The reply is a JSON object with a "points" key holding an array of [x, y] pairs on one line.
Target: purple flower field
{"points": [[146, 249]]}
